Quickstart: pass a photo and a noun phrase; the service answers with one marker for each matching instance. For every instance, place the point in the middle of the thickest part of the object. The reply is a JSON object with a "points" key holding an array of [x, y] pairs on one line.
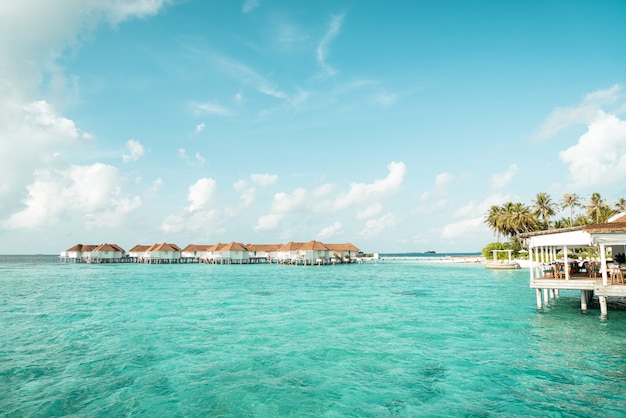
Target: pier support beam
{"points": [[539, 299], [584, 300], [604, 312]]}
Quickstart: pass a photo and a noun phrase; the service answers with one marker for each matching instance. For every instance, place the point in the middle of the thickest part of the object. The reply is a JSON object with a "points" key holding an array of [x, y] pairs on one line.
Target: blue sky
{"points": [[391, 126]]}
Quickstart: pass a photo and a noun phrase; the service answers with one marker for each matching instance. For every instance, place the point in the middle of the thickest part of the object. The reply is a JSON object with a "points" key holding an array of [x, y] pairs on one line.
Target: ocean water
{"points": [[368, 340]]}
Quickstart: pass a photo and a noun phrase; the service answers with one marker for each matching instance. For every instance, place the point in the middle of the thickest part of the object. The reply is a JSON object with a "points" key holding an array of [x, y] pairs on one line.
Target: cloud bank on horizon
{"points": [[261, 122]]}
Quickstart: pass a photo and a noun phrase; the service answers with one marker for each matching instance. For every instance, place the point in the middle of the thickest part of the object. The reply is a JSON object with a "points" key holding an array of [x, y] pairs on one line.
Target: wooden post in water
{"points": [[584, 299], [539, 300], [604, 313]]}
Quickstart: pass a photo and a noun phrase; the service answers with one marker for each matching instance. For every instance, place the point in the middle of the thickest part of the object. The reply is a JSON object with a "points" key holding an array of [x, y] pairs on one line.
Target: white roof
{"points": [[578, 238]]}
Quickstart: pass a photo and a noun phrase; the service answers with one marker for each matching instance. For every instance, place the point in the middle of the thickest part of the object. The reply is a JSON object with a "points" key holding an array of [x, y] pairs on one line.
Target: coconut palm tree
{"points": [[597, 208], [570, 200], [519, 218], [494, 220], [543, 208], [620, 205]]}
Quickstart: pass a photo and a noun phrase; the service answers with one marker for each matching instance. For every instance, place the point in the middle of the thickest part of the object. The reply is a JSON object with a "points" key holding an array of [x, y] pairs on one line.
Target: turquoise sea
{"points": [[366, 340]]}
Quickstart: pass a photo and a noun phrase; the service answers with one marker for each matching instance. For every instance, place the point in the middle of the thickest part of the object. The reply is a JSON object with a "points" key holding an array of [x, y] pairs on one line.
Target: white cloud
{"points": [[370, 211], [501, 180], [91, 193], [263, 179], [210, 109], [329, 231], [386, 99], [197, 161], [201, 214], [250, 5], [240, 185], [135, 150], [599, 157], [442, 181], [283, 204], [584, 113], [34, 134], [363, 193], [248, 76], [201, 193], [457, 229], [473, 216], [247, 194], [322, 49], [268, 222], [33, 137], [365, 197], [199, 128], [374, 227]]}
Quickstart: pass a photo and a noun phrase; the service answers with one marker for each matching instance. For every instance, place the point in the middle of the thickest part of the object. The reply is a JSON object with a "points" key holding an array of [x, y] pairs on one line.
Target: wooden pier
{"points": [[553, 266]]}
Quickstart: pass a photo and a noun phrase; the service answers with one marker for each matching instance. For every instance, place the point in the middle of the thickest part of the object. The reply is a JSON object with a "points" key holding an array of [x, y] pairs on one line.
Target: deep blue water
{"points": [[368, 340]]}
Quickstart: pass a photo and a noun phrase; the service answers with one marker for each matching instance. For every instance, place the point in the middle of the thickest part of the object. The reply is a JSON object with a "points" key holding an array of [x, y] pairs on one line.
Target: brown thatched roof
{"points": [[82, 247], [291, 246], [197, 247], [234, 246], [607, 227], [139, 248], [314, 246], [263, 247], [108, 247], [342, 247], [164, 247]]}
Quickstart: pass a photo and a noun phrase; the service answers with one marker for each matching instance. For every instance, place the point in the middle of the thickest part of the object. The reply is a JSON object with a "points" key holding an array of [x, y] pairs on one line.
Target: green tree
{"points": [[597, 208], [494, 220], [518, 219], [620, 205], [543, 208], [570, 200]]}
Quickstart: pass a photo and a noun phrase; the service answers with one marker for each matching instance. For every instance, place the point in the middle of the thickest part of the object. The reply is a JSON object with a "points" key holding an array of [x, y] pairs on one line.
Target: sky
{"points": [[394, 126]]}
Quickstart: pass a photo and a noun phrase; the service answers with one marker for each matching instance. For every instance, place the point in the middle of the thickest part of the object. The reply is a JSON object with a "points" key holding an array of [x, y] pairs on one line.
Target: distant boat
{"points": [[429, 252]]}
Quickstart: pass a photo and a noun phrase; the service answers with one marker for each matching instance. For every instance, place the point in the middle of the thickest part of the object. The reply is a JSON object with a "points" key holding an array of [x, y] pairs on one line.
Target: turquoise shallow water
{"points": [[371, 340]]}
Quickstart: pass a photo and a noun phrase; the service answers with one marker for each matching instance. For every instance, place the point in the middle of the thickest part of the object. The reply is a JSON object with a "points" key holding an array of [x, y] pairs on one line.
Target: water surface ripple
{"points": [[369, 340]]}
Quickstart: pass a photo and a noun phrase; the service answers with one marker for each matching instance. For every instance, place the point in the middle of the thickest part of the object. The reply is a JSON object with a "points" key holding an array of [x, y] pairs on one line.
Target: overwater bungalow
{"points": [[345, 253], [195, 253], [262, 253], [234, 253], [163, 253], [288, 253], [138, 253], [554, 267], [295, 253], [79, 253], [108, 253]]}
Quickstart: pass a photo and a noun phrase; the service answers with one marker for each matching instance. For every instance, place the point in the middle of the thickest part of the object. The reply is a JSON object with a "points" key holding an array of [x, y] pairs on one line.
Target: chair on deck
{"points": [[559, 271], [593, 270], [548, 270], [617, 277]]}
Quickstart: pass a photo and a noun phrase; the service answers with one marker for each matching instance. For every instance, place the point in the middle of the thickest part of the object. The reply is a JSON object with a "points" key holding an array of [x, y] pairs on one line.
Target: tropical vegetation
{"points": [[512, 218]]}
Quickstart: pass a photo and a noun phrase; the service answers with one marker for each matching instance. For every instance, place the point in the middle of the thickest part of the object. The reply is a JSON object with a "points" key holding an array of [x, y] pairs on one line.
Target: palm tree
{"points": [[494, 220], [543, 208], [519, 218], [562, 223], [571, 201], [620, 205], [597, 208]]}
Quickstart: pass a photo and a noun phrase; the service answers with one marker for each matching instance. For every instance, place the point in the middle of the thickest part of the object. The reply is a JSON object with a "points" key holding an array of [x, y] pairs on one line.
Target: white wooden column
{"points": [[603, 266], [565, 262]]}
